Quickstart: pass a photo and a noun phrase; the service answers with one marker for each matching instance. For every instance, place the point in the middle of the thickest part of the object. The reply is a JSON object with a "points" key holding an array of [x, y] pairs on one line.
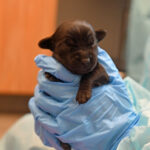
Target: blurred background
{"points": [[24, 22]]}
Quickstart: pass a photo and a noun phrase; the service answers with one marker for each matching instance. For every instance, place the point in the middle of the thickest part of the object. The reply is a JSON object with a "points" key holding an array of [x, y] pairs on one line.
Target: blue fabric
{"points": [[99, 124], [139, 138]]}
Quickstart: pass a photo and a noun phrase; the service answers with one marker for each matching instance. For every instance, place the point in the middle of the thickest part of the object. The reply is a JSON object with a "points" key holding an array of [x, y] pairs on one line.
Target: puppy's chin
{"points": [[76, 68], [80, 70]]}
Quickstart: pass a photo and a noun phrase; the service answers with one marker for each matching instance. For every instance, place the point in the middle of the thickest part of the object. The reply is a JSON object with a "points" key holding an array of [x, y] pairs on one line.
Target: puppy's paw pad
{"points": [[83, 96]]}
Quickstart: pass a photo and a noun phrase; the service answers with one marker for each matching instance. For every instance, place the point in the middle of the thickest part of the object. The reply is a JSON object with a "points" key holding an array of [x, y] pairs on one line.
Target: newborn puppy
{"points": [[74, 44]]}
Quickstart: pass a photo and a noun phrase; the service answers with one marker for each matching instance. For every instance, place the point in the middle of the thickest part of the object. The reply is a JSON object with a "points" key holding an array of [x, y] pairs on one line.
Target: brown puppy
{"points": [[74, 44]]}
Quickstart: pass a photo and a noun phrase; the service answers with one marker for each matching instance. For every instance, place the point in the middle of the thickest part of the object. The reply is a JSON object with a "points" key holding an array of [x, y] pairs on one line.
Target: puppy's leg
{"points": [[95, 78], [52, 78], [101, 78], [84, 92]]}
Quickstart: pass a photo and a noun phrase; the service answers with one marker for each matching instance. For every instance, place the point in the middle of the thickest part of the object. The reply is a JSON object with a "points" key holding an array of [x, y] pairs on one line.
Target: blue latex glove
{"points": [[99, 124]]}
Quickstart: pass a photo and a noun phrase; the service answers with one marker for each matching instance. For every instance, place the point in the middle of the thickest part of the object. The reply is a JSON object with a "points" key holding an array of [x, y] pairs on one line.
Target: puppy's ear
{"points": [[100, 34], [47, 43]]}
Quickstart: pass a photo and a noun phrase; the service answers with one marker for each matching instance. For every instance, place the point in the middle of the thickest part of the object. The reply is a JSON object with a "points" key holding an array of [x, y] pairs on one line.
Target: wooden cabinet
{"points": [[22, 24]]}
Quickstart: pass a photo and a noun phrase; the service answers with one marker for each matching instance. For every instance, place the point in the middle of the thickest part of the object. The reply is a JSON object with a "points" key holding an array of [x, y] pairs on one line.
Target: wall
{"points": [[103, 14]]}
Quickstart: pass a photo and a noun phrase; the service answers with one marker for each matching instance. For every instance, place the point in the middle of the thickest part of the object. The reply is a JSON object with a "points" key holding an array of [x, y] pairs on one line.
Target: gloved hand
{"points": [[99, 124]]}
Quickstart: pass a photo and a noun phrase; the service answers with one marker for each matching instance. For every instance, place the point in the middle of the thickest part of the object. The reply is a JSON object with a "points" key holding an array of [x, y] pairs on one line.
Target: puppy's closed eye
{"points": [[90, 41], [70, 42]]}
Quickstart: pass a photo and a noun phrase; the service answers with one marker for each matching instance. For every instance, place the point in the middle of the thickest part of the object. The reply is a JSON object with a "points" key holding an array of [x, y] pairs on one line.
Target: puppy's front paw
{"points": [[83, 96]]}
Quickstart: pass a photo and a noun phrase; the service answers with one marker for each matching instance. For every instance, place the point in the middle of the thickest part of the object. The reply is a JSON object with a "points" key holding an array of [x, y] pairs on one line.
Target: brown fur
{"points": [[74, 44]]}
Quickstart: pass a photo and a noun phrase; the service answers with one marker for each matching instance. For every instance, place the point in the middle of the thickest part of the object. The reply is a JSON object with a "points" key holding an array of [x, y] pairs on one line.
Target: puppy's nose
{"points": [[86, 61]]}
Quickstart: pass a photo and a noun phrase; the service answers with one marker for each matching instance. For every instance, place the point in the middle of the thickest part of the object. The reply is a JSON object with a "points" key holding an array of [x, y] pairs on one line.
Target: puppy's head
{"points": [[74, 44]]}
